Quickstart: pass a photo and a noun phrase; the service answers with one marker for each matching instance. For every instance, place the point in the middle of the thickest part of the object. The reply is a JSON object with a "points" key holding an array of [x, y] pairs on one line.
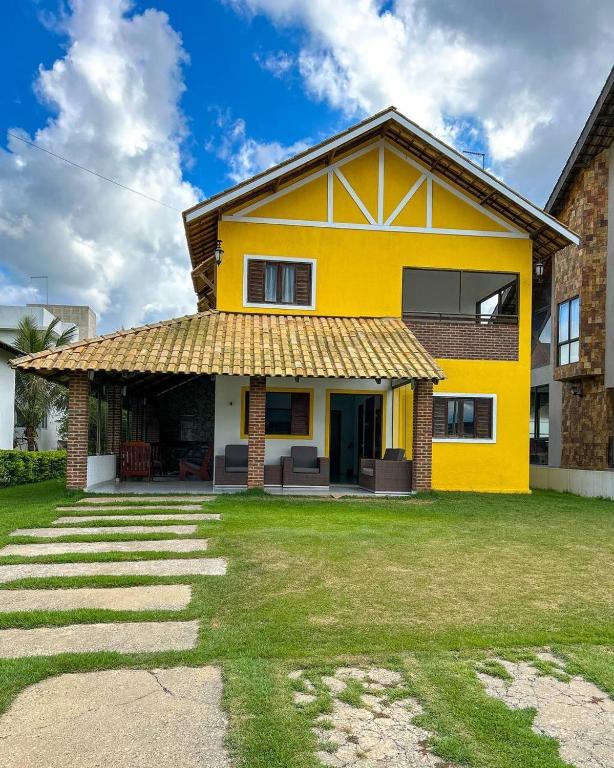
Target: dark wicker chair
{"points": [[392, 474], [231, 468], [304, 468]]}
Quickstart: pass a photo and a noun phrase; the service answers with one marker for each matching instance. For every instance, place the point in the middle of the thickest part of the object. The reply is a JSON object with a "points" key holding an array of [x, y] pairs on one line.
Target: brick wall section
{"points": [[586, 420], [114, 417], [78, 420], [422, 458], [255, 441], [462, 339]]}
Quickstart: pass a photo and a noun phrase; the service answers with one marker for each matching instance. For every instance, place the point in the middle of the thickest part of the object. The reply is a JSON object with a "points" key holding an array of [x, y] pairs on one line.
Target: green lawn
{"points": [[427, 586]]}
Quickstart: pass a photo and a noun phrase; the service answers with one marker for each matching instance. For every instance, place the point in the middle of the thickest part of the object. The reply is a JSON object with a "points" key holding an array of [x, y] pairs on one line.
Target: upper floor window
{"points": [[486, 297], [463, 417], [569, 331], [278, 282]]}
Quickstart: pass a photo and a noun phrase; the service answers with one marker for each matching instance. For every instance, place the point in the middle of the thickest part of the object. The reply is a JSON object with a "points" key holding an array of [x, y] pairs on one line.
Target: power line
{"points": [[94, 173]]}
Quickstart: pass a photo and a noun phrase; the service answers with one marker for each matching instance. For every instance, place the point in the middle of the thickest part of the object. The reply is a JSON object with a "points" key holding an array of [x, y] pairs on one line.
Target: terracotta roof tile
{"points": [[248, 345]]}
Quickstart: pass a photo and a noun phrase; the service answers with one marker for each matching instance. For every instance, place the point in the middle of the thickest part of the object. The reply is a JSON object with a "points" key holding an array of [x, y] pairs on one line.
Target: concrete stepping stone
{"points": [[125, 718], [89, 547], [206, 566], [54, 533], [101, 518], [132, 508], [143, 499], [129, 637], [174, 597]]}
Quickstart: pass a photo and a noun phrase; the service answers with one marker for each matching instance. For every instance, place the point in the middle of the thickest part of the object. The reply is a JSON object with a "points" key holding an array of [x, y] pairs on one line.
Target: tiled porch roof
{"points": [[249, 345]]}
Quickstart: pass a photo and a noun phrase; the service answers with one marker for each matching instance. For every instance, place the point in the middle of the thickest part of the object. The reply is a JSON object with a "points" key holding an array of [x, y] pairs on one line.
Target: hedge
{"points": [[17, 467]]}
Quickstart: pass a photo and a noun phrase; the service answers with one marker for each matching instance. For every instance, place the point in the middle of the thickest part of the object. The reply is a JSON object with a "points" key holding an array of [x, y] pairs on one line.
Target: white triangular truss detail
{"points": [[249, 213]]}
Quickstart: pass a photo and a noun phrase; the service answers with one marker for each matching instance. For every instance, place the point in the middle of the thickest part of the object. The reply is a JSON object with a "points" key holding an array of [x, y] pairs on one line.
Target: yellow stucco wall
{"points": [[359, 272]]}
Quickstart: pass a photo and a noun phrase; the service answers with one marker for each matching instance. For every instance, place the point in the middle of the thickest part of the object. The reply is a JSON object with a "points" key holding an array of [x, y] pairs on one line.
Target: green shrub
{"points": [[18, 467]]}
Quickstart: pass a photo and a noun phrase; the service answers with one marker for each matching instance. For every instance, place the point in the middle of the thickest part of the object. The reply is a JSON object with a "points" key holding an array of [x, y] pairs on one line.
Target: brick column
{"points": [[78, 418], [114, 418], [255, 442], [423, 436]]}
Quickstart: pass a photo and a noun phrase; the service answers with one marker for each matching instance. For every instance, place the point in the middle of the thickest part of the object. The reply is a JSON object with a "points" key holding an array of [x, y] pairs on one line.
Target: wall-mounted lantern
{"points": [[218, 252], [539, 270]]}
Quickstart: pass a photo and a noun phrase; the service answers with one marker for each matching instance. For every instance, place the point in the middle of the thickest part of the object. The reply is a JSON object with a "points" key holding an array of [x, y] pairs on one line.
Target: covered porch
{"points": [[266, 400]]}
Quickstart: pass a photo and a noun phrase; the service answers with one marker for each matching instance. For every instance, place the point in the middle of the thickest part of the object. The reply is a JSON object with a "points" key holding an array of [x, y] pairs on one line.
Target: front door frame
{"points": [[383, 393]]}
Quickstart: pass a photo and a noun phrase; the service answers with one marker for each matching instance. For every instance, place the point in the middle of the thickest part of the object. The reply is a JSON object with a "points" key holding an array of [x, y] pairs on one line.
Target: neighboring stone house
{"points": [[572, 400], [82, 317]]}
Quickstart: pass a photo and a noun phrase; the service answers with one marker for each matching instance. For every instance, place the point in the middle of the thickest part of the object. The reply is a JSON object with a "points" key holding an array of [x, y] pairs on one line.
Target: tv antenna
{"points": [[481, 155]]}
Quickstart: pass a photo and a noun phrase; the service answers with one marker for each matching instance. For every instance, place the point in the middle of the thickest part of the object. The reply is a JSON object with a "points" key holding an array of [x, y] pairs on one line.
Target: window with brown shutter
{"points": [[287, 413], [466, 418], [279, 282]]}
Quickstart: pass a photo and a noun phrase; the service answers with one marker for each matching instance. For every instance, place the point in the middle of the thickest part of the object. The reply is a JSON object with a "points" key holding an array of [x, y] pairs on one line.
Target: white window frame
{"points": [[471, 440], [289, 260]]}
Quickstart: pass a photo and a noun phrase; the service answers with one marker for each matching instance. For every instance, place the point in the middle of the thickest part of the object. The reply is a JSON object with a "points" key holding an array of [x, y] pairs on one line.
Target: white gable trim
{"points": [[359, 131]]}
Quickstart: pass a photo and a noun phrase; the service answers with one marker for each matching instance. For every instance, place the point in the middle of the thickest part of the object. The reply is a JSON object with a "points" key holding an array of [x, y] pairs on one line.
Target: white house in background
{"points": [[7, 395], [82, 317]]}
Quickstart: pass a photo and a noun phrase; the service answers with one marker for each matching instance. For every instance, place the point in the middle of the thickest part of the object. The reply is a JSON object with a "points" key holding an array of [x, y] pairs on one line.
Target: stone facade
{"points": [[582, 271], [466, 340], [422, 449]]}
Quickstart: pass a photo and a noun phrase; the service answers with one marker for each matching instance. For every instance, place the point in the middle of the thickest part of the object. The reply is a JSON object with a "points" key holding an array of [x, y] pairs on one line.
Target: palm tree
{"points": [[35, 396]]}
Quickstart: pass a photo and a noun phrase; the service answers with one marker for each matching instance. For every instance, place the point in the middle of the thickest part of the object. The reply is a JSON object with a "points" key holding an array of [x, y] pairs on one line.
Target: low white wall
{"points": [[583, 482], [100, 469], [228, 411], [7, 400]]}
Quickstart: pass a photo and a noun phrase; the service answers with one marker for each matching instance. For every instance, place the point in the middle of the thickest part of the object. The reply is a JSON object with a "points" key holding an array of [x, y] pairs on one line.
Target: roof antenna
{"points": [[481, 155]]}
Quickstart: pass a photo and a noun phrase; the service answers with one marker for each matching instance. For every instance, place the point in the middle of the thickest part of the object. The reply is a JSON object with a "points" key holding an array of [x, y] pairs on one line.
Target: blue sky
{"points": [[180, 99]]}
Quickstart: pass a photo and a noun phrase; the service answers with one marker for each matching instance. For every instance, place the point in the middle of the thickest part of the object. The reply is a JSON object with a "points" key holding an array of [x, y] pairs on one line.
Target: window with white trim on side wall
{"points": [[277, 282], [464, 418]]}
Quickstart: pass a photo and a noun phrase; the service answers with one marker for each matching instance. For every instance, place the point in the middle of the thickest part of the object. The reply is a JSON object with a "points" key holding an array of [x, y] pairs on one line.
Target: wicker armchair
{"points": [[304, 468], [231, 468], [392, 474]]}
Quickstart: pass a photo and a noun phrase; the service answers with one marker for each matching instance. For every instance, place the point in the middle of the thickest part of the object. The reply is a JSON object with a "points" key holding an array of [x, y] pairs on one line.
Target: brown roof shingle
{"points": [[250, 345]]}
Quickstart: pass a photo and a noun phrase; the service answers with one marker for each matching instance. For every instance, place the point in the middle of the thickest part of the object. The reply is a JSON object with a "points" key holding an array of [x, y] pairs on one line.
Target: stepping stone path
{"points": [[173, 597], [203, 566], [56, 533], [143, 499], [89, 547], [128, 637], [121, 507], [379, 732], [122, 637], [570, 709], [103, 518], [119, 718]]}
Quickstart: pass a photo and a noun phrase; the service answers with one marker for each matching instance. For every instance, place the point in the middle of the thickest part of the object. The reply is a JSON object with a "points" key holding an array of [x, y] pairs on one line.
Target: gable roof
{"points": [[245, 344], [201, 221], [597, 135]]}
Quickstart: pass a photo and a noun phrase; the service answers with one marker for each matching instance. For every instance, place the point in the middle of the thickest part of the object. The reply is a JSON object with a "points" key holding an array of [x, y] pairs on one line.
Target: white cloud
{"points": [[114, 97], [526, 73], [246, 156], [277, 63]]}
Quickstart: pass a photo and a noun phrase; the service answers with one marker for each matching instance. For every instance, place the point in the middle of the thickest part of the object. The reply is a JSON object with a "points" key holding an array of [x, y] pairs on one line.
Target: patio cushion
{"points": [[394, 454], [304, 457], [367, 471], [306, 470], [235, 458]]}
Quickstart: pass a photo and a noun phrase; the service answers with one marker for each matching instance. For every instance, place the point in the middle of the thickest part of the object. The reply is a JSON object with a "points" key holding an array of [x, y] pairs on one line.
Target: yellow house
{"points": [[371, 293]]}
